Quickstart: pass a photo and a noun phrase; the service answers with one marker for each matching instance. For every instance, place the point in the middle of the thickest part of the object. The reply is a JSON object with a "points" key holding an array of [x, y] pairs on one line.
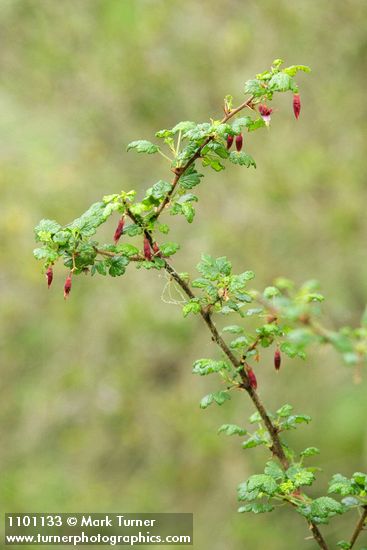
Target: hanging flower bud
{"points": [[252, 378], [265, 113], [147, 250], [239, 142], [119, 230], [155, 248], [49, 276], [296, 105], [229, 141], [277, 359], [67, 286]]}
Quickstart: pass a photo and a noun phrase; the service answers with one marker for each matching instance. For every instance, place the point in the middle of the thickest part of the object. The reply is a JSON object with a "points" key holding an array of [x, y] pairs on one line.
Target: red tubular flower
{"points": [[119, 230], [49, 276], [229, 141], [239, 142], [155, 248], [277, 359], [296, 105], [252, 378], [147, 250], [265, 113], [67, 286]]}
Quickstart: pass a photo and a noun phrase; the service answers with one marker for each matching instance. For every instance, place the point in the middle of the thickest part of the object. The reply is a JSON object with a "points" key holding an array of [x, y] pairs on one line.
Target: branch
{"points": [[359, 527], [276, 448], [181, 170]]}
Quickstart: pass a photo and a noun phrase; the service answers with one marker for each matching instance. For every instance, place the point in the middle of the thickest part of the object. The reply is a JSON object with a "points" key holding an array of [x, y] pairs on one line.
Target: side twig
{"points": [[359, 527]]}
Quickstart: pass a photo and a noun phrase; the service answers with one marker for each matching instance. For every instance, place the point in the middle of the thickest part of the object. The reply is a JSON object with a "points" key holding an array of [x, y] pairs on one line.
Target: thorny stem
{"points": [[276, 447], [359, 527]]}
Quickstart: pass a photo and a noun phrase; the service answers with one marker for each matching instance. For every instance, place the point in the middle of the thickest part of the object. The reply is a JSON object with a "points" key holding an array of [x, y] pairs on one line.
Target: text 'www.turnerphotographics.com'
{"points": [[110, 529]]}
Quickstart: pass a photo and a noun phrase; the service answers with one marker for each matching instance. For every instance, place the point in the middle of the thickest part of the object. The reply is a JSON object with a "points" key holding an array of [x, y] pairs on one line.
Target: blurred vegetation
{"points": [[99, 410]]}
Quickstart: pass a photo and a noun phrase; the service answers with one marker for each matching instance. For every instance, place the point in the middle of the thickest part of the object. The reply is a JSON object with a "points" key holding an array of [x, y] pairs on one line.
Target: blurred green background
{"points": [[99, 410]]}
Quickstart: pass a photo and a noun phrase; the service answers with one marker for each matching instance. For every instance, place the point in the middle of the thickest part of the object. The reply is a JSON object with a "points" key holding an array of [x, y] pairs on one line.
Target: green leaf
{"points": [[254, 441], [45, 229], [293, 350], [127, 249], [232, 429], [271, 292], [277, 63], [295, 419], [212, 268], [314, 297], [341, 485], [192, 306], [293, 69], [326, 507], [190, 178], [88, 222], [343, 544], [48, 254], [256, 508], [213, 163], [255, 311], [244, 494], [183, 126], [117, 265], [133, 230], [274, 470], [221, 396], [62, 237], [218, 397], [159, 190], [215, 147], [188, 211], [285, 410], [310, 451], [263, 483], [256, 124], [206, 401], [360, 479], [351, 502], [168, 249], [242, 158], [255, 418], [239, 342], [164, 133], [143, 146], [163, 228], [253, 87], [100, 267], [240, 123], [269, 329], [233, 329], [300, 476], [282, 82], [208, 366]]}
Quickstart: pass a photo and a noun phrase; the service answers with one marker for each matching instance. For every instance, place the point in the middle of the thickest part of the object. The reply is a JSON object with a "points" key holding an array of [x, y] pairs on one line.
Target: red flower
{"points": [[229, 141], [67, 286], [265, 113], [277, 359], [119, 230], [296, 105], [239, 142], [252, 378], [147, 250], [155, 248], [49, 276]]}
